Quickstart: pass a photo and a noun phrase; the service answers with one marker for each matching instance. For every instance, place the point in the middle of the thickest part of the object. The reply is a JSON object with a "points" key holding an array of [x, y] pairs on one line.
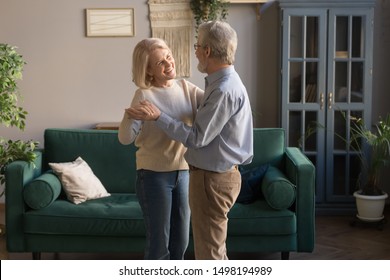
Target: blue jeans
{"points": [[163, 197]]}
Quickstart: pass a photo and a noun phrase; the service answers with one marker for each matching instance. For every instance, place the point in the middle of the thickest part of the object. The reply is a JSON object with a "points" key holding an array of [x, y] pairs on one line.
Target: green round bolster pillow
{"points": [[278, 191], [42, 191]]}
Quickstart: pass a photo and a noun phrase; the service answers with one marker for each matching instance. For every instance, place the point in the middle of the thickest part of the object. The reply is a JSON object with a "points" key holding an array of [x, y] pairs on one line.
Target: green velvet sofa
{"points": [[115, 224]]}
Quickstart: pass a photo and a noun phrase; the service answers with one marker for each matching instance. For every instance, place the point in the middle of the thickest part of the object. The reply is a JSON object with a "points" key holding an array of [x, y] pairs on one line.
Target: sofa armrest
{"points": [[17, 175], [301, 171]]}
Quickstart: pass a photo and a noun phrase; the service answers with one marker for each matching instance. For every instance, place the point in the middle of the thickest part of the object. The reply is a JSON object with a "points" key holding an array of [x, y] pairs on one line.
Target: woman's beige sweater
{"points": [[156, 151]]}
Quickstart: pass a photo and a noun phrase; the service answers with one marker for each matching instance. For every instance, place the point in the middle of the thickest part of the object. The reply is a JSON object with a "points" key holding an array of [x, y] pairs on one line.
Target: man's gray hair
{"points": [[221, 38]]}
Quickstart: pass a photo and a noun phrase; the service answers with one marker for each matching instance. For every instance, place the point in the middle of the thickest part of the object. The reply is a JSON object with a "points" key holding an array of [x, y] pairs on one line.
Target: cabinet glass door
{"points": [[348, 97], [303, 86]]}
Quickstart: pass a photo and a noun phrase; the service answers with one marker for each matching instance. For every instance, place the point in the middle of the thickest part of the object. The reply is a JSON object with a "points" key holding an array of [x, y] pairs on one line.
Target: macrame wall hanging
{"points": [[172, 21]]}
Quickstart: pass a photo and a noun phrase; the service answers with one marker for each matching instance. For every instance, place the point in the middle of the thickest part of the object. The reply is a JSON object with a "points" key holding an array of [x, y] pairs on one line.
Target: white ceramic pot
{"points": [[370, 208]]}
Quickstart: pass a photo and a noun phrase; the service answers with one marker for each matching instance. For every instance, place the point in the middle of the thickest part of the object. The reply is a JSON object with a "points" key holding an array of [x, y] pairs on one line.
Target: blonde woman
{"points": [[162, 172]]}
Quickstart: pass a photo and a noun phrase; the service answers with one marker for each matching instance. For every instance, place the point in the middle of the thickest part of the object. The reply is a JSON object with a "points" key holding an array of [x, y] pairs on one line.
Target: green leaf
{"points": [[11, 68]]}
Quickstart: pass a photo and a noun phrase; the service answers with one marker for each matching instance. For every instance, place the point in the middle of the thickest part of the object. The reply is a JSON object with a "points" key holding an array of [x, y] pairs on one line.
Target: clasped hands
{"points": [[144, 111]]}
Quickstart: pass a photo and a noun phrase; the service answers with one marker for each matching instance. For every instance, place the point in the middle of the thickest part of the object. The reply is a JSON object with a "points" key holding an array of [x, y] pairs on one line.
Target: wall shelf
{"points": [[259, 5], [247, 1]]}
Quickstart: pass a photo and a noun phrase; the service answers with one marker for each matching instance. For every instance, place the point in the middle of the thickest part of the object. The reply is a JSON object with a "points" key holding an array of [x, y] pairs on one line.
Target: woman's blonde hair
{"points": [[141, 54]]}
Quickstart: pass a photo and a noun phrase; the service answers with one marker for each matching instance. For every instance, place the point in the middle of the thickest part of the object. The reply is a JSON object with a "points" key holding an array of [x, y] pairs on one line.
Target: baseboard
{"points": [[335, 210], [328, 209]]}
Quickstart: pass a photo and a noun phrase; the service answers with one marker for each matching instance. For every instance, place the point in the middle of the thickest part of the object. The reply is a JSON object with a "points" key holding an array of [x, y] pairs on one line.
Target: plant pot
{"points": [[370, 208]]}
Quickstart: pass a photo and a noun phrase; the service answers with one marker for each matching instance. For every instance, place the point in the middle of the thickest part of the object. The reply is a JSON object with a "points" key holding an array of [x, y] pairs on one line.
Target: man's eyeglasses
{"points": [[197, 46]]}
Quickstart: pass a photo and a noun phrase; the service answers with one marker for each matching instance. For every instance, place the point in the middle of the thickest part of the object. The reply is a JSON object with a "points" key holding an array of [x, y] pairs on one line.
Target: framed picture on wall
{"points": [[112, 22]]}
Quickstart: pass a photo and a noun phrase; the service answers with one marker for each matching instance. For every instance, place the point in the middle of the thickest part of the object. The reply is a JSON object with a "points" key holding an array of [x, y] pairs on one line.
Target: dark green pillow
{"points": [[278, 191], [42, 191], [250, 183]]}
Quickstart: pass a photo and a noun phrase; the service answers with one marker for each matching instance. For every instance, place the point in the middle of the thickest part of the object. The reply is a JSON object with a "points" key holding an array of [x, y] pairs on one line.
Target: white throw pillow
{"points": [[79, 181]]}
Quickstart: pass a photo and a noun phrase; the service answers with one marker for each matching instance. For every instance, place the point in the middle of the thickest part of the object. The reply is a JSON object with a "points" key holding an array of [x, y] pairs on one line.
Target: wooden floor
{"points": [[336, 239]]}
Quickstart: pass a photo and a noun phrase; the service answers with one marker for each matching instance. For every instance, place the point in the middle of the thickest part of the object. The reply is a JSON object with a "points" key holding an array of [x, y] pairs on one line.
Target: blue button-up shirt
{"points": [[222, 133]]}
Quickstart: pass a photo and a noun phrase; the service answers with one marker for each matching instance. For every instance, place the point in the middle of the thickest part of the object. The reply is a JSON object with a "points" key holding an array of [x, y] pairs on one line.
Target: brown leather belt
{"points": [[194, 168]]}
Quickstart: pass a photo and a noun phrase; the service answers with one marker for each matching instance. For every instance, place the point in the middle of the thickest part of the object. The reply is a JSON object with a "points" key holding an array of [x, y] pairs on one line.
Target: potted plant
{"points": [[373, 149], [205, 10], [11, 115], [374, 153]]}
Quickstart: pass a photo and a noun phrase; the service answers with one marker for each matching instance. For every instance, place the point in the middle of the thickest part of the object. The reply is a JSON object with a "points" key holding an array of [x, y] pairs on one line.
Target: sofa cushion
{"points": [[116, 215], [268, 146], [278, 191], [79, 181], [250, 183], [42, 191], [258, 218]]}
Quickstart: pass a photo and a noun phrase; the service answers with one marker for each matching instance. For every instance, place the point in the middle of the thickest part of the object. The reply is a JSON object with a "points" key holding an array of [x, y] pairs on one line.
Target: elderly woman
{"points": [[162, 172]]}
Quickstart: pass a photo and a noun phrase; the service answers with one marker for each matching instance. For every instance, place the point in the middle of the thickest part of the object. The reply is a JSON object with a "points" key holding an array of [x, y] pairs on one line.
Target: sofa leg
{"points": [[285, 255], [36, 255]]}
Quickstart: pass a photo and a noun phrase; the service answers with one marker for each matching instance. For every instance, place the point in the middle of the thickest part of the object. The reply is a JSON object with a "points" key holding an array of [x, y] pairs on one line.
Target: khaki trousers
{"points": [[211, 197]]}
